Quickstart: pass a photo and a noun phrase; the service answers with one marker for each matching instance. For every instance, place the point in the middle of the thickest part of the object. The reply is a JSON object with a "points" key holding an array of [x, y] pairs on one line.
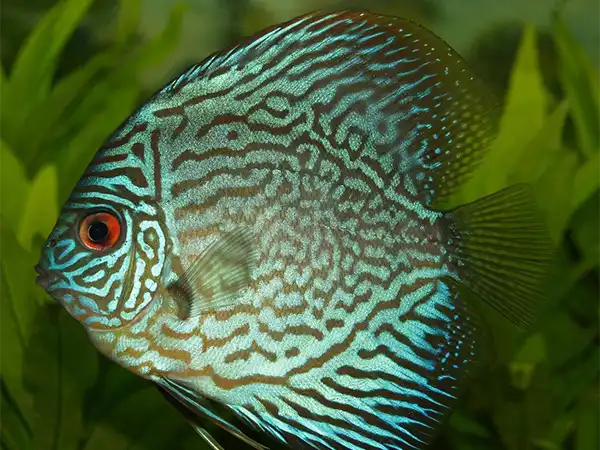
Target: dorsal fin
{"points": [[415, 116]]}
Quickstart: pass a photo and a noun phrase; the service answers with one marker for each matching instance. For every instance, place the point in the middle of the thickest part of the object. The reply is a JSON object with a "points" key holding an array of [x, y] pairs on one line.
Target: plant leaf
{"points": [[14, 187], [11, 345], [19, 290], [125, 80], [162, 45], [586, 181], [90, 112], [542, 150], [578, 379], [587, 434], [557, 433], [34, 68], [585, 226], [465, 424], [129, 422], [3, 78], [41, 209], [60, 366], [256, 17], [128, 20], [52, 112], [563, 351], [115, 385], [554, 190], [523, 117], [16, 435], [4, 105], [580, 80], [531, 353]]}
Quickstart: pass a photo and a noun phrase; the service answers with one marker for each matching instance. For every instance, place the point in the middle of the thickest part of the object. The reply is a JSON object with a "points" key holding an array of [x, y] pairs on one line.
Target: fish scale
{"points": [[321, 146]]}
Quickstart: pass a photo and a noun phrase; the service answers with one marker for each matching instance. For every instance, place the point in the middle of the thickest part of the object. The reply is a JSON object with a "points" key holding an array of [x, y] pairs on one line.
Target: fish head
{"points": [[105, 256]]}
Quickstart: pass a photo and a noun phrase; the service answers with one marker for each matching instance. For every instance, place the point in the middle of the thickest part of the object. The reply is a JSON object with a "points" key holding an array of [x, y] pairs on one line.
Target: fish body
{"points": [[263, 234]]}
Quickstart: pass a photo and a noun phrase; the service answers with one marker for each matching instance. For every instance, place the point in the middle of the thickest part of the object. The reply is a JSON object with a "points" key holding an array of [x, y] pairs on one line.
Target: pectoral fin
{"points": [[219, 275]]}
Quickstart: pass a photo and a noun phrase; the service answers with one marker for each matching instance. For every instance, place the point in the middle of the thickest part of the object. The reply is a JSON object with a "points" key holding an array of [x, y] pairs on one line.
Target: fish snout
{"points": [[43, 278]]}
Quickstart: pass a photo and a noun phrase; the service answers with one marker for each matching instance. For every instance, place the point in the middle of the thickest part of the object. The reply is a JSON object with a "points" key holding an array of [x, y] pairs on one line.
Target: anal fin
{"points": [[194, 408]]}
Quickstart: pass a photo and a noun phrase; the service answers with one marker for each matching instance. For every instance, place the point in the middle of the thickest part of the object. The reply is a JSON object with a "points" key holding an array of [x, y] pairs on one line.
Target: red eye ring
{"points": [[100, 231]]}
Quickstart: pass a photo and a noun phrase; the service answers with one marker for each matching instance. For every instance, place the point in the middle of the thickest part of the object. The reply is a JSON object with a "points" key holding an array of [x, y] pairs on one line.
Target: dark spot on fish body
{"points": [[154, 146], [113, 143], [221, 119], [292, 352], [246, 354], [138, 150], [356, 300], [168, 112], [281, 114], [219, 71], [382, 126], [135, 175], [109, 159], [180, 127], [271, 408], [232, 135], [207, 96], [332, 324], [317, 313], [326, 132]]}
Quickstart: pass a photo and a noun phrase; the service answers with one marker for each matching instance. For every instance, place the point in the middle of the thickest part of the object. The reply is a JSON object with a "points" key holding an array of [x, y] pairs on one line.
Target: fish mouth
{"points": [[43, 277]]}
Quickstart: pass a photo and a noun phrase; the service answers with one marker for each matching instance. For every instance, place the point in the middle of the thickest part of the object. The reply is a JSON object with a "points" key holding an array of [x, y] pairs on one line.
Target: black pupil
{"points": [[98, 231]]}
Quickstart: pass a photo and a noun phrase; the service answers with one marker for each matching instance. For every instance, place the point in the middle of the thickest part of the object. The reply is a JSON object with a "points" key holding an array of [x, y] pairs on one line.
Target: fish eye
{"points": [[100, 231]]}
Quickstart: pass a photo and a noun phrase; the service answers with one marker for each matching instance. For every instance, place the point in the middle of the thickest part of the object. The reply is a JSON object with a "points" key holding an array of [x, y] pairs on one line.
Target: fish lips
{"points": [[43, 278]]}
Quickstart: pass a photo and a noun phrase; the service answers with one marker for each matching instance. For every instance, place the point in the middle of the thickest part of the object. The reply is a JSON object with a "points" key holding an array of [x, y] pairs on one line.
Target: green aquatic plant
{"points": [[59, 394], [56, 391], [542, 393]]}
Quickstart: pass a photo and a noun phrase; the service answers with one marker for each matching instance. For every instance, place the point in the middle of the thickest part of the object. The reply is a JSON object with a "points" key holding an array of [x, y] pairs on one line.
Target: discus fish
{"points": [[267, 236]]}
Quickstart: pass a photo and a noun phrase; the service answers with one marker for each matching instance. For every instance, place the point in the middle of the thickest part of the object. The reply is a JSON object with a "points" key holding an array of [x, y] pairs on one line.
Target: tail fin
{"points": [[502, 251]]}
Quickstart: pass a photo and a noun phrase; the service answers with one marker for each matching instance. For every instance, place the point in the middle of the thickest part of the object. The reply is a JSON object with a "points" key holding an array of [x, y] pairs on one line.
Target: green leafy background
{"points": [[62, 94]]}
